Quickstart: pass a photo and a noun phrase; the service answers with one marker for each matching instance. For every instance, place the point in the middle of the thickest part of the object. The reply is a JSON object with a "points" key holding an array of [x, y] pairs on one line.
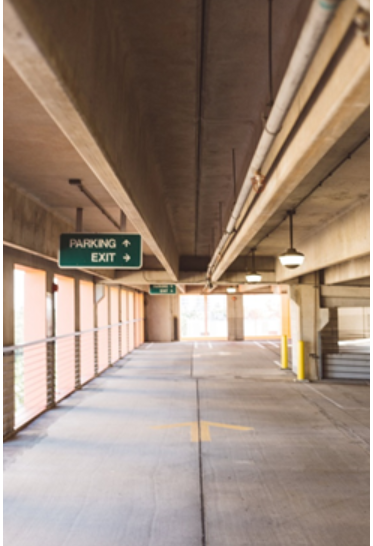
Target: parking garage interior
{"points": [[186, 279]]}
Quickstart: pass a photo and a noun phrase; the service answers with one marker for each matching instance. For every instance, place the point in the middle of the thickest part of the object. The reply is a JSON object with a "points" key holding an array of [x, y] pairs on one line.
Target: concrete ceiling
{"points": [[345, 188], [40, 159], [201, 72], [196, 71], [176, 87]]}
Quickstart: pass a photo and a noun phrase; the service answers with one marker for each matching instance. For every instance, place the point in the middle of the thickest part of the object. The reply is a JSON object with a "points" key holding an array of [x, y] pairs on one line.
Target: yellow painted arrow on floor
{"points": [[204, 428]]}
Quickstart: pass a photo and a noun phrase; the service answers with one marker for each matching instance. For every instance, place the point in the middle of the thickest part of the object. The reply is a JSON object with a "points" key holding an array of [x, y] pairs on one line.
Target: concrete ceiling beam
{"points": [[345, 296], [142, 202], [240, 277], [146, 277], [345, 238], [352, 270], [344, 97], [35, 229]]}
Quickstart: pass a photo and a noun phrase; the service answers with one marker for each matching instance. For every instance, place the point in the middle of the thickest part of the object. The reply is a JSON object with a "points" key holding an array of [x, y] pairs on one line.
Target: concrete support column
{"points": [[235, 317], [285, 316], [304, 314], [51, 345], [120, 328], [8, 340], [95, 324], [162, 318], [109, 332], [77, 329]]}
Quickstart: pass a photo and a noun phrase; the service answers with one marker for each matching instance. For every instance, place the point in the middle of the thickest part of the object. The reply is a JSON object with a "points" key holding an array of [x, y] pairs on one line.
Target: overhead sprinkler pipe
{"points": [[317, 22]]}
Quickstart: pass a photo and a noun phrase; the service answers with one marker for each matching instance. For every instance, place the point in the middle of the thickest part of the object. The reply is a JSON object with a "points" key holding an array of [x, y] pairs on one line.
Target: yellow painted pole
{"points": [[284, 352], [301, 360]]}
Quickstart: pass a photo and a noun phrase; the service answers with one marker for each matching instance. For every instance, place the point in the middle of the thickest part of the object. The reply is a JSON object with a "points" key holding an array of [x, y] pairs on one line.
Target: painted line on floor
{"points": [[277, 363], [148, 347], [346, 408], [210, 345], [259, 344], [274, 344], [326, 397]]}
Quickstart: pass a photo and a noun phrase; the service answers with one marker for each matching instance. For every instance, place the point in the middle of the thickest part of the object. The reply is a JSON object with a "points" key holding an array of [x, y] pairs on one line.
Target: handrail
{"points": [[12, 348]]}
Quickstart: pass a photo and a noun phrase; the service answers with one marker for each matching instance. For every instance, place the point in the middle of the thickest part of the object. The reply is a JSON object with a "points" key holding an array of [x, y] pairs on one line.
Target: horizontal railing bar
{"points": [[36, 402], [29, 383], [13, 348]]}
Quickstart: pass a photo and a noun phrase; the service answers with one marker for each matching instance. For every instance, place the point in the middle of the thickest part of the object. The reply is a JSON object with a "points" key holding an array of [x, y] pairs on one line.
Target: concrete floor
{"points": [[105, 468]]}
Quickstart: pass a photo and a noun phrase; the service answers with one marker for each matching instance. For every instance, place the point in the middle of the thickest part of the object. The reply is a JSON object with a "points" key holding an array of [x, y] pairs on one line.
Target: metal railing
{"points": [[345, 354], [41, 373]]}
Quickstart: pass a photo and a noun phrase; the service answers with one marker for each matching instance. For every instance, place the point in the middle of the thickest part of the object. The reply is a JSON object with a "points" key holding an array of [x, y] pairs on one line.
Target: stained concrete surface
{"points": [[96, 470]]}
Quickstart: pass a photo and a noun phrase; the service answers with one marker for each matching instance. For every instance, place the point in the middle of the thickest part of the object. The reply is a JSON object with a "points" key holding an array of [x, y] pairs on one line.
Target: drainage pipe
{"points": [[318, 19]]}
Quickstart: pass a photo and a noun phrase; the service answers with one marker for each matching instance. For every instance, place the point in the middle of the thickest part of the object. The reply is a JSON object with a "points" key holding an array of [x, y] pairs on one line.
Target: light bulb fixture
{"points": [[231, 289], [291, 258], [253, 276]]}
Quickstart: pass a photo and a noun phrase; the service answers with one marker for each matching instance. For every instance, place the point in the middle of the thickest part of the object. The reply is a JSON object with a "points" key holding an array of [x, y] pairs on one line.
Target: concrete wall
{"points": [[354, 321], [8, 340], [71, 37], [160, 315], [345, 238], [235, 317], [29, 225], [353, 270]]}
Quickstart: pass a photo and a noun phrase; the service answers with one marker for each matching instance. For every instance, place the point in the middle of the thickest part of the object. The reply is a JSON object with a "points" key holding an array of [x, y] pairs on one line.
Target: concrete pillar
{"points": [[304, 315], [120, 328], [109, 321], [51, 345], [285, 316], [162, 318], [8, 340], [96, 296], [235, 317], [77, 329]]}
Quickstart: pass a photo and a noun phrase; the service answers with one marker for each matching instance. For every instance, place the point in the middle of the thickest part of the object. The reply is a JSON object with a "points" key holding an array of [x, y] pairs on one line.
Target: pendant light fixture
{"points": [[231, 289], [291, 258], [253, 276]]}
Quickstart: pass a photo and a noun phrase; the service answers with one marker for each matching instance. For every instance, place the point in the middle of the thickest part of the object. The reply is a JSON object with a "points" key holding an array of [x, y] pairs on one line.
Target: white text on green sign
{"points": [[162, 289], [100, 250]]}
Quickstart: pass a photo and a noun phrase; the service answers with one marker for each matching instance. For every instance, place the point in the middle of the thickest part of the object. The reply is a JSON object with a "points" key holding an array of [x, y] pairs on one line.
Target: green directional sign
{"points": [[162, 289], [100, 250]]}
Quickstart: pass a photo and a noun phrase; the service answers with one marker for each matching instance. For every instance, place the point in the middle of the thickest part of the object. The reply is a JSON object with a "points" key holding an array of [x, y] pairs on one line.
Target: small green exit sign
{"points": [[162, 289]]}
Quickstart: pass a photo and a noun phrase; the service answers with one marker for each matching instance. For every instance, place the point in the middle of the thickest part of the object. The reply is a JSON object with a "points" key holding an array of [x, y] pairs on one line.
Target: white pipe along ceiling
{"points": [[317, 22]]}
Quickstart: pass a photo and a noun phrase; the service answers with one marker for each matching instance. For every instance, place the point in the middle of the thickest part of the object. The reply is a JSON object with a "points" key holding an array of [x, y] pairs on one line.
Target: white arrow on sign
{"points": [[126, 257], [126, 243]]}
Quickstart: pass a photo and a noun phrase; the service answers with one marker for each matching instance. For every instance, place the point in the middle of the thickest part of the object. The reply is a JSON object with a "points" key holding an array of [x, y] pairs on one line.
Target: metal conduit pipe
{"points": [[318, 19]]}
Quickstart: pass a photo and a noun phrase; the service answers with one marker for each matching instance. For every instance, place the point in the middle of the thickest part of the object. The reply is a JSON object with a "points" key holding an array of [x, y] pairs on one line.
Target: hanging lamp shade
{"points": [[253, 277], [231, 289], [291, 258]]}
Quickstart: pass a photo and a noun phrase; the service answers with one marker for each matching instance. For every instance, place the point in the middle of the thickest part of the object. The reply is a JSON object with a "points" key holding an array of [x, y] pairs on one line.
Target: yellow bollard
{"points": [[301, 361], [284, 352]]}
